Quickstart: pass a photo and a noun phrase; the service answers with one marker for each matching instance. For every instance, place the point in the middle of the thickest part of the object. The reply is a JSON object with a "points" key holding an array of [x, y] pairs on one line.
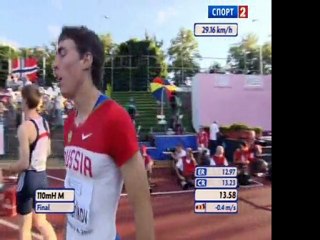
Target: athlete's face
{"points": [[68, 68]]}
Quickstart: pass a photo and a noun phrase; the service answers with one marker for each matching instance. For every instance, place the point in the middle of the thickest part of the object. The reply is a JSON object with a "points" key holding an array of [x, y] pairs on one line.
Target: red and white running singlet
{"points": [[93, 153]]}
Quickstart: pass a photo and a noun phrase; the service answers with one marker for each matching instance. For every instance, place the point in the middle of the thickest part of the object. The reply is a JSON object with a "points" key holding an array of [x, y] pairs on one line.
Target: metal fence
{"points": [[134, 73], [10, 140]]}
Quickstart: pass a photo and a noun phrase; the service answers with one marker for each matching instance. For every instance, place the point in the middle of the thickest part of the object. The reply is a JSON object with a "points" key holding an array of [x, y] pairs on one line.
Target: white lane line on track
{"points": [[56, 178], [16, 227]]}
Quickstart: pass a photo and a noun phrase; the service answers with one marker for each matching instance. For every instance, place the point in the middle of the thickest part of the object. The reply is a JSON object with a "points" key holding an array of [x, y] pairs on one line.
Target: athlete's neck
{"points": [[31, 114], [84, 101]]}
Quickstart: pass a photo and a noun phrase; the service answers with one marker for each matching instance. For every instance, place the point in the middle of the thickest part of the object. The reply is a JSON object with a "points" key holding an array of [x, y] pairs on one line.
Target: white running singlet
{"points": [[93, 153]]}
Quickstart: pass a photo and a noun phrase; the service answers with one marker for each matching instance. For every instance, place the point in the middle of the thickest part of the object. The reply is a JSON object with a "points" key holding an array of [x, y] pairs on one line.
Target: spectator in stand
{"points": [[258, 166], [132, 110], [203, 139], [178, 153], [178, 125], [185, 168], [173, 103], [18, 114], [214, 130], [246, 158], [241, 156], [219, 158], [204, 158], [255, 149], [59, 107], [68, 106], [3, 109], [148, 163], [49, 109]]}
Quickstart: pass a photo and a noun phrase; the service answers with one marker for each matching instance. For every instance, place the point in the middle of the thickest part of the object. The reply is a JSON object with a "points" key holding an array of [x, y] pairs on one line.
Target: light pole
{"points": [[150, 67], [107, 18], [245, 61], [260, 51], [44, 58], [245, 52], [44, 55], [112, 66], [261, 56], [261, 59]]}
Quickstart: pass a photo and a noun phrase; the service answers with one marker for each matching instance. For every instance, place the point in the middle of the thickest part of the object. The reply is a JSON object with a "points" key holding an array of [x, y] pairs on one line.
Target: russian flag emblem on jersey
{"points": [[25, 67]]}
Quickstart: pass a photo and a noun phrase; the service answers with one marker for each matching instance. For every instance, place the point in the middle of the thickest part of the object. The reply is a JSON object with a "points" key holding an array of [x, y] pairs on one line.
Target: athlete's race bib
{"points": [[80, 219]]}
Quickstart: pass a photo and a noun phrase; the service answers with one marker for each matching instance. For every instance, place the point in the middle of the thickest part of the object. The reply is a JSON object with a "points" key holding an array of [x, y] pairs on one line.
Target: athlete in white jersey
{"points": [[101, 150], [34, 148]]}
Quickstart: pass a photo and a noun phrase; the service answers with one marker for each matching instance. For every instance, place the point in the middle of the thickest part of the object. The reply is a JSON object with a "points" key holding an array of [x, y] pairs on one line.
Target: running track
{"points": [[174, 215]]}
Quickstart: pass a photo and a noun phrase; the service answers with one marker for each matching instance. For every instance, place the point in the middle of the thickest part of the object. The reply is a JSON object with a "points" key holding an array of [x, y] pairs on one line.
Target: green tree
{"points": [[215, 67], [25, 52], [39, 53], [136, 62], [109, 49], [50, 53], [183, 54], [108, 44], [267, 58], [245, 58], [6, 53], [45, 55]]}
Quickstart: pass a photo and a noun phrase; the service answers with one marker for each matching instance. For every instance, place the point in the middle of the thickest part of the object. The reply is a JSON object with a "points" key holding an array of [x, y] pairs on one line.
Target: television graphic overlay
{"points": [[216, 190], [54, 200]]}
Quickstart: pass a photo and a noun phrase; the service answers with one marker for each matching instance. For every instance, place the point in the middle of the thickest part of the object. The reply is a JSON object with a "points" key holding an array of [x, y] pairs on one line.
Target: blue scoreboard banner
{"points": [[228, 11]]}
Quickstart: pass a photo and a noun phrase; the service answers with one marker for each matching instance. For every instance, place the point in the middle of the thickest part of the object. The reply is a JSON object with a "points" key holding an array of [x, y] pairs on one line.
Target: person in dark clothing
{"points": [[204, 158], [173, 103], [132, 109]]}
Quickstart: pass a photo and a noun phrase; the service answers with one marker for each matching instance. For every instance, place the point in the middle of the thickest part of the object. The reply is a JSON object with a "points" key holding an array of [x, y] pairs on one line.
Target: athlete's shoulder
{"points": [[112, 108], [25, 126]]}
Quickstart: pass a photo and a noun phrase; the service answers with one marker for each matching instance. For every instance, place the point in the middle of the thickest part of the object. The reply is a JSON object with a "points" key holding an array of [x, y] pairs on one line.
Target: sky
{"points": [[38, 22]]}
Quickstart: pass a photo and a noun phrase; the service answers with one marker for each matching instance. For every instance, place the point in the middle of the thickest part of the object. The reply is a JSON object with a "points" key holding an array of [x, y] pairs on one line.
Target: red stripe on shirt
{"points": [[45, 134]]}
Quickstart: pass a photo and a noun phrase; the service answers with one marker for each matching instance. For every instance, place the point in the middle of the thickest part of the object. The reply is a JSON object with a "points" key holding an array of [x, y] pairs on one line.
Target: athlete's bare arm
{"points": [[49, 147], [135, 180], [25, 133]]}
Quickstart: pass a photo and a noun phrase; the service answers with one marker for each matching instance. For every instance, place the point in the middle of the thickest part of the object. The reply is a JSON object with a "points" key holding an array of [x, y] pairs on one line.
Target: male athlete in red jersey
{"points": [[101, 150]]}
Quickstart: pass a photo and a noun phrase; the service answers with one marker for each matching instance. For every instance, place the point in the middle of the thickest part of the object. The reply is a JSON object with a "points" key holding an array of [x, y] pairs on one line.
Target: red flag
{"points": [[26, 68]]}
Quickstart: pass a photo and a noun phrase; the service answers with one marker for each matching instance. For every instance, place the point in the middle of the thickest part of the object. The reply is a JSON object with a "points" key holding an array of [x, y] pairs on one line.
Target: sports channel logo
{"points": [[227, 11]]}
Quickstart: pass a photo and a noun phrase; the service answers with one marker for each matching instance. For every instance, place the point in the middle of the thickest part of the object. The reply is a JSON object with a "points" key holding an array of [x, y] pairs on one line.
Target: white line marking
{"points": [[16, 227], [55, 178], [257, 184]]}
